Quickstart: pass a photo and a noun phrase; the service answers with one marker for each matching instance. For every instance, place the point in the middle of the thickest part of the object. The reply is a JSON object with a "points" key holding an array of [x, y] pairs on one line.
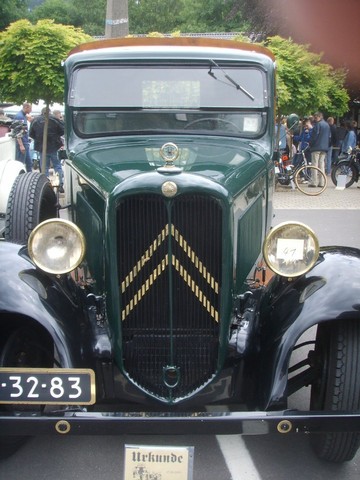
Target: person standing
{"points": [[354, 124], [319, 143], [329, 154], [350, 140], [22, 142], [302, 139], [53, 142], [61, 152], [340, 134], [280, 135]]}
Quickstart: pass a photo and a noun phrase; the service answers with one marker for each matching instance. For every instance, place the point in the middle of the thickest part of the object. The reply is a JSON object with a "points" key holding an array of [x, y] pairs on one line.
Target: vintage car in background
{"points": [[9, 170], [156, 288]]}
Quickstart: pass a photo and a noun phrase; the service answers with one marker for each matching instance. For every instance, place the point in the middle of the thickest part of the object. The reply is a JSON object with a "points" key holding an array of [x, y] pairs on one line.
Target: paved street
{"points": [[331, 198], [334, 215]]}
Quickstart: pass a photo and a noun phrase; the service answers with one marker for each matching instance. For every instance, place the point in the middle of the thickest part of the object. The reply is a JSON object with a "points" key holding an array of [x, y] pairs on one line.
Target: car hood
{"points": [[107, 163]]}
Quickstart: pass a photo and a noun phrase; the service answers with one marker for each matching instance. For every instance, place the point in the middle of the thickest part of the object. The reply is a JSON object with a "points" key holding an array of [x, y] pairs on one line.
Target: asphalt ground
{"points": [[332, 198], [334, 215]]}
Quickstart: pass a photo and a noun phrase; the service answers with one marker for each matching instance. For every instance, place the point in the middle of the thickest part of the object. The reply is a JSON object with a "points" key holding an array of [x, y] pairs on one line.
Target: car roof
{"points": [[180, 44]]}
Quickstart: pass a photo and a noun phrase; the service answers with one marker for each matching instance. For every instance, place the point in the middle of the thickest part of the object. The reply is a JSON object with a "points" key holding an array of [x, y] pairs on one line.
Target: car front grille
{"points": [[169, 263]]}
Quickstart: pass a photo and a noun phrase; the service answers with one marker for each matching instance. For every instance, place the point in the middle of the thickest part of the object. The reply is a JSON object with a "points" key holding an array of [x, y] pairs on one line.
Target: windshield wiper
{"points": [[231, 80]]}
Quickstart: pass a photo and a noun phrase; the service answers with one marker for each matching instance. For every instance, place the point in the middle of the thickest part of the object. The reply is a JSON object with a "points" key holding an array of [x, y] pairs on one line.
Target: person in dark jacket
{"points": [[329, 155], [340, 134], [53, 142], [319, 143]]}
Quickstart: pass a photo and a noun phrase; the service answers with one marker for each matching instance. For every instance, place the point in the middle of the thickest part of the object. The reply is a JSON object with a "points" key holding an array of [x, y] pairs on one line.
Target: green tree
{"points": [[11, 10], [163, 16], [87, 14], [154, 15], [30, 62], [61, 11], [261, 15], [213, 16], [304, 83]]}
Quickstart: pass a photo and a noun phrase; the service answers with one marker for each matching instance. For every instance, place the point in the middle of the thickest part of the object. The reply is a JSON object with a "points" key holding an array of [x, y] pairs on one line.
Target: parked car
{"points": [[158, 288], [9, 170]]}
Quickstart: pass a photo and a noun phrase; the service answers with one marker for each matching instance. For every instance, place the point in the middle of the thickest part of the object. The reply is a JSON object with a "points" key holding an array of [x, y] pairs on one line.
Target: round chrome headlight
{"points": [[56, 246], [291, 249]]}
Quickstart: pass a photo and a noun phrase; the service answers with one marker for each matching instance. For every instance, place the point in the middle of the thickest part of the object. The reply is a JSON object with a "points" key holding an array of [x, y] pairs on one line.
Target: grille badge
{"points": [[169, 189]]}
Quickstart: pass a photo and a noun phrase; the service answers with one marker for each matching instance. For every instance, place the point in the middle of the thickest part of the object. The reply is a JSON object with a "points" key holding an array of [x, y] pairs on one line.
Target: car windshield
{"points": [[215, 99]]}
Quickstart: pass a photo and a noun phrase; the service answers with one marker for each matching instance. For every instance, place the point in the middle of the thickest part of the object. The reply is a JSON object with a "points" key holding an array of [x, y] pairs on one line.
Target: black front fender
{"points": [[32, 296], [329, 292]]}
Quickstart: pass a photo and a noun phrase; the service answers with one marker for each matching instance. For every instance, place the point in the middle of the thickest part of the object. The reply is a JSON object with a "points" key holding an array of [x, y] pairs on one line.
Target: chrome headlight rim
{"points": [[53, 221], [274, 232]]}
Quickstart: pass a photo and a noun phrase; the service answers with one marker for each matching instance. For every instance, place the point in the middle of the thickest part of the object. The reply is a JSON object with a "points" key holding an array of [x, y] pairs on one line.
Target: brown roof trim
{"points": [[171, 41]]}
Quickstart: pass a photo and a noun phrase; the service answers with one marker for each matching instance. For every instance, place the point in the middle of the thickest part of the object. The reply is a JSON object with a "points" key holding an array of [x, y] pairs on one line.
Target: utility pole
{"points": [[117, 18]]}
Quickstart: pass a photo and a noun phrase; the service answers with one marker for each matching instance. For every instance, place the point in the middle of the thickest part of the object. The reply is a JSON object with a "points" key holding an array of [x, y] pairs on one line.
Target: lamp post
{"points": [[117, 19]]}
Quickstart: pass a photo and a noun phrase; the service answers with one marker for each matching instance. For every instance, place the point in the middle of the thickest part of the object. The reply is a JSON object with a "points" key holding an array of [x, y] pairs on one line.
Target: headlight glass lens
{"points": [[56, 246], [291, 249]]}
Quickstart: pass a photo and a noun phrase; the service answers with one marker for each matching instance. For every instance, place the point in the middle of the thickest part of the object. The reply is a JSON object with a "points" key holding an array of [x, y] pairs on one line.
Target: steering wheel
{"points": [[207, 119]]}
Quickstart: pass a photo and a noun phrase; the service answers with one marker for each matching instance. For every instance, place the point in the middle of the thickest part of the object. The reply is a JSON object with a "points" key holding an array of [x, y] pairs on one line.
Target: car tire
{"points": [[344, 168], [31, 201], [337, 354], [23, 348]]}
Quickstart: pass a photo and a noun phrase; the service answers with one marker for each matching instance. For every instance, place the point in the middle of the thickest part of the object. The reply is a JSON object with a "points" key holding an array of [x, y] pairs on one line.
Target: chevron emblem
{"points": [[160, 269]]}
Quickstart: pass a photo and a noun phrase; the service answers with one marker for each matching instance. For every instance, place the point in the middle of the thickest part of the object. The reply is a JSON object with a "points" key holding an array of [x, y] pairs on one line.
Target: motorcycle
{"points": [[284, 169], [347, 170]]}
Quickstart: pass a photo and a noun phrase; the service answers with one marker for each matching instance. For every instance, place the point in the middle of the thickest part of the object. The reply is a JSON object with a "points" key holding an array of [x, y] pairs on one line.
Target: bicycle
{"points": [[301, 175], [348, 167]]}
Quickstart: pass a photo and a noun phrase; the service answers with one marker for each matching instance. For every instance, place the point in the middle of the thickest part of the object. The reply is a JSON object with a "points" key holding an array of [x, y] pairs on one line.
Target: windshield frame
{"points": [[223, 77]]}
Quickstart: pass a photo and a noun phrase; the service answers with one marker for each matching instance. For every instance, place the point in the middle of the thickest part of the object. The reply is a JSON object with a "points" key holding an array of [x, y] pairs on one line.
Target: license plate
{"points": [[44, 386]]}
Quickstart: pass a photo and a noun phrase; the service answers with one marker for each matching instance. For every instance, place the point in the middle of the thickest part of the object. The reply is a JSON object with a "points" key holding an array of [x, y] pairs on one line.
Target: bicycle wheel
{"points": [[310, 180], [346, 169]]}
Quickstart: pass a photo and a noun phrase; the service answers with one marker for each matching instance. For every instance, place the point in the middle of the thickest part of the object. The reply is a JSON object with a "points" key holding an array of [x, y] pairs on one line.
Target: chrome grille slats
{"points": [[169, 264]]}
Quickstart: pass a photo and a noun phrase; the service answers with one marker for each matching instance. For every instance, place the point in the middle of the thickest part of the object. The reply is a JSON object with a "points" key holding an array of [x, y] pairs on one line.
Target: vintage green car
{"points": [[156, 287]]}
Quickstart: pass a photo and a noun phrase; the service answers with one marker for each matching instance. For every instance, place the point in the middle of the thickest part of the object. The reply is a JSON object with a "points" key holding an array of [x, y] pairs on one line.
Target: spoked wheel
{"points": [[24, 348], [310, 180], [31, 201], [337, 353], [346, 169]]}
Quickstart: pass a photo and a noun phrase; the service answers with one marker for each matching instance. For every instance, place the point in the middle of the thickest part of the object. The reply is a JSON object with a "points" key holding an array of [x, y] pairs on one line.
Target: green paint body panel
{"points": [[234, 170]]}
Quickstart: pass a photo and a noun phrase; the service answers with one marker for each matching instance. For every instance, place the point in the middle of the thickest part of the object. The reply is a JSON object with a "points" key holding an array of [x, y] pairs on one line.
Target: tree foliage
{"points": [[87, 14], [11, 10], [304, 83], [213, 16], [154, 15], [30, 63], [146, 16], [61, 11], [262, 16], [30, 60]]}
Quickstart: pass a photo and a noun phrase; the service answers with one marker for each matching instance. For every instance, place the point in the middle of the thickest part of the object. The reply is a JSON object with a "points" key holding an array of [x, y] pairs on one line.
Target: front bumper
{"points": [[208, 423]]}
